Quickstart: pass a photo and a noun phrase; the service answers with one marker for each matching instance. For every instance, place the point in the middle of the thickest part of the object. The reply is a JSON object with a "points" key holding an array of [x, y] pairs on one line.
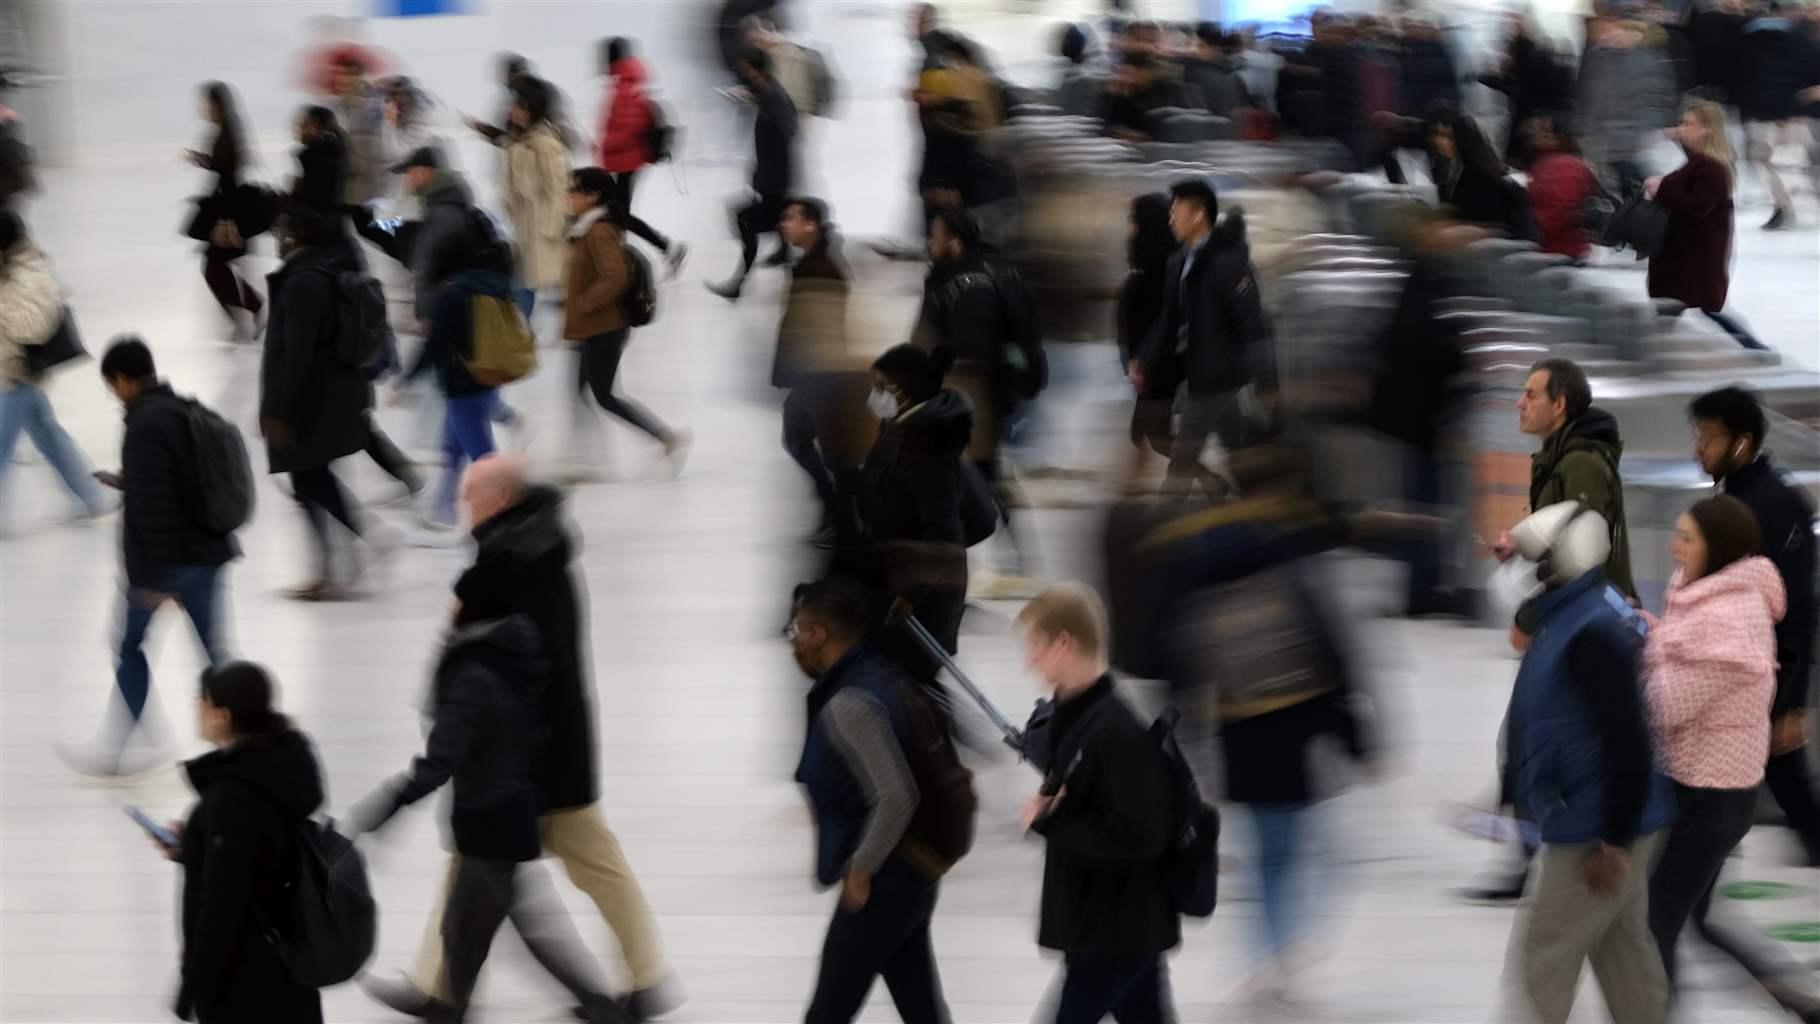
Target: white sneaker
{"points": [[676, 453]]}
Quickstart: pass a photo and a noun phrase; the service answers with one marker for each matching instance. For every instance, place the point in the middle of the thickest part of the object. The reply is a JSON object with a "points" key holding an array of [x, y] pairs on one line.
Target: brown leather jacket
{"points": [[596, 279]]}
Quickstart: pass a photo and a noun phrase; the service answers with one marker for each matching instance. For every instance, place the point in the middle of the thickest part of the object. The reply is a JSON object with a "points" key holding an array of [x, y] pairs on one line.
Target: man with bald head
{"points": [[523, 566]]}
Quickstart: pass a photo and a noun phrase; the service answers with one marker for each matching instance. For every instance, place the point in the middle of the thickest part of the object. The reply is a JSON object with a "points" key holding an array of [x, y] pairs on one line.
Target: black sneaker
{"points": [[1505, 895], [1779, 220], [402, 995], [729, 290], [779, 258]]}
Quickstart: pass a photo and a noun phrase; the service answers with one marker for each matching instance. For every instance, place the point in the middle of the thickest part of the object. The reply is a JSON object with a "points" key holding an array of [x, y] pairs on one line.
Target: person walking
{"points": [[360, 110], [1729, 428], [811, 339], [1106, 815], [625, 142], [31, 313], [1692, 264], [1212, 338], [18, 165], [1560, 183], [485, 735], [322, 163], [169, 558], [1149, 245], [857, 773], [597, 279], [313, 406], [226, 158], [774, 135], [239, 852], [525, 563], [1584, 766], [1710, 680], [537, 178]]}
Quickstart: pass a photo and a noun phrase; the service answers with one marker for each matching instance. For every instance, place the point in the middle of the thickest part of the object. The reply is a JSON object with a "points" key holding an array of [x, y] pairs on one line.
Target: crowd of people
{"points": [[1635, 740]]}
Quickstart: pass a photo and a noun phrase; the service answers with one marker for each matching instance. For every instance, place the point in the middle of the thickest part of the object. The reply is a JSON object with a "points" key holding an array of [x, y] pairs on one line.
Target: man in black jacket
{"points": [[1728, 440], [1211, 337], [1106, 812], [170, 558], [523, 566], [773, 166]]}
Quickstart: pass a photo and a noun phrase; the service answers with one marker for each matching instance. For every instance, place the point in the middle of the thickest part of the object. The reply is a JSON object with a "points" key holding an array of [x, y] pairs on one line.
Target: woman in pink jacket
{"points": [[1710, 675], [625, 142]]}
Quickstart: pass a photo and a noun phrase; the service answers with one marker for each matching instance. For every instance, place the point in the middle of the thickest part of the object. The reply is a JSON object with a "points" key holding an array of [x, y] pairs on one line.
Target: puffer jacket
{"points": [[31, 307], [627, 122], [537, 184], [1710, 674]]}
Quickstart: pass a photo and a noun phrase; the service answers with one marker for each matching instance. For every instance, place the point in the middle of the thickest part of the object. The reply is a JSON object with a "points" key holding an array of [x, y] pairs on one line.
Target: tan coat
{"points": [[537, 188], [597, 278]]}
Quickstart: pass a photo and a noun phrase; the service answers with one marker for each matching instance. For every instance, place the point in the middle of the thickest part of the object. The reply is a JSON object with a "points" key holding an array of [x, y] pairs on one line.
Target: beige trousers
{"points": [[590, 853]]}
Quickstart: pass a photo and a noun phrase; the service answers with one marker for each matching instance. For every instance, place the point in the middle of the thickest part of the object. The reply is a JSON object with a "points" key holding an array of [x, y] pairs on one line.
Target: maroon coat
{"points": [[1694, 263]]}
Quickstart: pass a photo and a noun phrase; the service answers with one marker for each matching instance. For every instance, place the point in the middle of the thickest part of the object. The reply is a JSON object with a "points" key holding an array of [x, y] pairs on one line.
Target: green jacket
{"points": [[1579, 463]]}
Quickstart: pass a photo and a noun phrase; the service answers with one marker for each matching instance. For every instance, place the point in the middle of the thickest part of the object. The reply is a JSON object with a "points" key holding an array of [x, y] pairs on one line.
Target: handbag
{"points": [[63, 346], [1639, 223]]}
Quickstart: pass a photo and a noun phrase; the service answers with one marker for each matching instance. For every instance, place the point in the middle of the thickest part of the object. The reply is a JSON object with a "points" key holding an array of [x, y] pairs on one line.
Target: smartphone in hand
{"points": [[163, 836]]}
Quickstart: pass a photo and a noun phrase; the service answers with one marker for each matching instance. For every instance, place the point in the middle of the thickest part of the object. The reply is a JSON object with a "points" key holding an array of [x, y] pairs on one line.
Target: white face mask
{"points": [[882, 404]]}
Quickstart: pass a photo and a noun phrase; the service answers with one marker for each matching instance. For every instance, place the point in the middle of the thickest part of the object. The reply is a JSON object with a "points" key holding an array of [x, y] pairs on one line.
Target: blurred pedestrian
{"points": [[313, 406], [486, 735], [1560, 183], [411, 124], [536, 182], [859, 771], [1710, 680], [226, 158], [1534, 80], [322, 163], [1780, 63], [1580, 742], [1211, 339], [598, 278], [168, 556], [1107, 818], [774, 172], [361, 111], [1142, 296], [811, 345], [240, 853], [1729, 430], [1471, 180], [18, 177], [1626, 95], [31, 313], [1693, 264], [625, 142], [525, 564], [512, 69], [1209, 71]]}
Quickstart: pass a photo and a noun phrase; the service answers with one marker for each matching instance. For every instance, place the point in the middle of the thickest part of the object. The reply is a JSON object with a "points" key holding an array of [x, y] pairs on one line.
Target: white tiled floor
{"points": [[697, 699]]}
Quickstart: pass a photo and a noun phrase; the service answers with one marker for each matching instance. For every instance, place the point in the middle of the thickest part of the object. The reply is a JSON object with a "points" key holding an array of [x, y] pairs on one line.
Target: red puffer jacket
{"points": [[627, 121], [1559, 186]]}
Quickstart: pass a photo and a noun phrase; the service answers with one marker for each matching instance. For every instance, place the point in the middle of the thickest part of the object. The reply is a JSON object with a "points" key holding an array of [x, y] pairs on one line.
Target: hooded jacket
{"points": [[1785, 515], [322, 179], [1212, 332], [302, 382], [910, 484], [239, 854], [158, 531], [31, 308], [523, 565], [596, 278], [486, 734], [1579, 462], [812, 335], [1710, 674], [627, 122]]}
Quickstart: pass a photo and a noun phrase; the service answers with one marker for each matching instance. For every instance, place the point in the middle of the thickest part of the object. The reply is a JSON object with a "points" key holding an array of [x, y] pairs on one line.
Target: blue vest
{"points": [[1552, 740], [835, 796]]}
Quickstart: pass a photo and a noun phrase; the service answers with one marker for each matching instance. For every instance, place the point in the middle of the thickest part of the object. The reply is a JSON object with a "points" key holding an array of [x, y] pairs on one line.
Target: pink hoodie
{"points": [[1710, 675]]}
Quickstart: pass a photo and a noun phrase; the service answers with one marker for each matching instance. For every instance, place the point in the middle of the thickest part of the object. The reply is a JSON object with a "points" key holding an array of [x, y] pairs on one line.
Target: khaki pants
{"points": [[578, 837], [1566, 924]]}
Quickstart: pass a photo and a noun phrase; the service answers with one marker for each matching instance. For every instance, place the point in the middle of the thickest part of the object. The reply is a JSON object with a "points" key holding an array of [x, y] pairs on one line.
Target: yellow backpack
{"points": [[504, 348]]}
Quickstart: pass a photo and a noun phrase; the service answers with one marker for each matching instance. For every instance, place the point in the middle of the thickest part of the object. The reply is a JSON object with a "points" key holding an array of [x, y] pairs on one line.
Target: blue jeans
{"points": [[467, 435], [526, 299], [26, 409], [1282, 834], [195, 588]]}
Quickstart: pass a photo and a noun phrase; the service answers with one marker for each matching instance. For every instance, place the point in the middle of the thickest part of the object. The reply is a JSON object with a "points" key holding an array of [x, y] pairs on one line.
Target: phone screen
{"points": [[164, 835]]}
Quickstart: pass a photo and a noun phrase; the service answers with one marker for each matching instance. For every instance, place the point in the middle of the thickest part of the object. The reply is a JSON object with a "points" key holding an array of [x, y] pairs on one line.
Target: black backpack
{"points": [[980, 512], [660, 134], [335, 921], [638, 303], [363, 332], [1191, 866], [1023, 369], [222, 497], [1259, 643], [941, 828]]}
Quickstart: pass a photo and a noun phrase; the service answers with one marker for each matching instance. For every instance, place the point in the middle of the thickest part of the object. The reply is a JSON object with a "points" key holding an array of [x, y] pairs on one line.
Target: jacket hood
{"points": [[1720, 594], [447, 187], [943, 424], [283, 768], [1229, 232], [514, 636], [629, 71], [534, 529], [336, 255], [1595, 428]]}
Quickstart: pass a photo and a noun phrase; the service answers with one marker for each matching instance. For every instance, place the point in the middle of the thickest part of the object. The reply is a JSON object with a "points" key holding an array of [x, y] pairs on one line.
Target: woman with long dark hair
{"points": [[536, 182], [1470, 178], [239, 854], [1141, 300], [226, 158]]}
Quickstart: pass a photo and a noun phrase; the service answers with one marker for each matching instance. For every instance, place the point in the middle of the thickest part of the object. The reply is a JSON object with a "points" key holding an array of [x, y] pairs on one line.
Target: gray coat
{"points": [[362, 117], [1627, 94]]}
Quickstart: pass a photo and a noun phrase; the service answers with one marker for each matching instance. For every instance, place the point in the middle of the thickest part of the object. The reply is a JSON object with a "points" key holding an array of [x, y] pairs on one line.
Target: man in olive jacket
{"points": [[1578, 460]]}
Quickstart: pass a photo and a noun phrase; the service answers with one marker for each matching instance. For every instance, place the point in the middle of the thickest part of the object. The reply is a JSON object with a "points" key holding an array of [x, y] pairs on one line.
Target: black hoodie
{"points": [[911, 489], [486, 731], [522, 567], [239, 852]]}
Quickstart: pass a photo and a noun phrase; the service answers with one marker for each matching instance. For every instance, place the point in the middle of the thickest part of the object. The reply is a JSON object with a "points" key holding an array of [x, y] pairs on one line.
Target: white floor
{"points": [[697, 698]]}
